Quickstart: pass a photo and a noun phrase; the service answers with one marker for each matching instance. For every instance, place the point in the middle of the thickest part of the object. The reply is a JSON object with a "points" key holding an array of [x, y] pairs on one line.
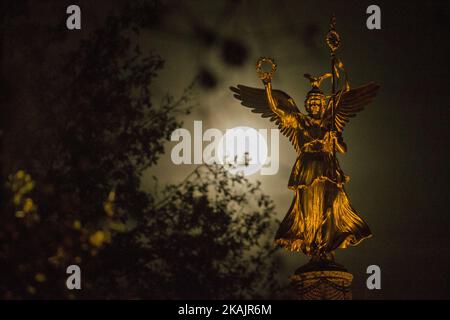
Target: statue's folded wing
{"points": [[349, 103], [256, 100]]}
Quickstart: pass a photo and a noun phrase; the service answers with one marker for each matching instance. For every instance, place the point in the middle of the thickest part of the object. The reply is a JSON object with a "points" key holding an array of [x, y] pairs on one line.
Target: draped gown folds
{"points": [[320, 218]]}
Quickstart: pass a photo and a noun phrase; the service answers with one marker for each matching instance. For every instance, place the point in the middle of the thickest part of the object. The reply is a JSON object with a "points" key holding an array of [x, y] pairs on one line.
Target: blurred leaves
{"points": [[20, 185], [98, 238], [80, 199]]}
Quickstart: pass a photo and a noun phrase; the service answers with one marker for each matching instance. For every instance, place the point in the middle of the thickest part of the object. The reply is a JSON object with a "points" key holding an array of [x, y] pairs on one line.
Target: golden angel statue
{"points": [[320, 218]]}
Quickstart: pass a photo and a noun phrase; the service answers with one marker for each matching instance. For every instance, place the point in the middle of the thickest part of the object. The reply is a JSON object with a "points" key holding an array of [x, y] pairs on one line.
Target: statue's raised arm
{"points": [[274, 104]]}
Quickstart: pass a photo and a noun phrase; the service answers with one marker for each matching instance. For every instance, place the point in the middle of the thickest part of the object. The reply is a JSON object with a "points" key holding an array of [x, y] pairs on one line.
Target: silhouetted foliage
{"points": [[73, 192]]}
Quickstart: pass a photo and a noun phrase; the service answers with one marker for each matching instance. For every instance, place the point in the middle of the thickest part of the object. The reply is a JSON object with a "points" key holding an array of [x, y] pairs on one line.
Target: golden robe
{"points": [[321, 217]]}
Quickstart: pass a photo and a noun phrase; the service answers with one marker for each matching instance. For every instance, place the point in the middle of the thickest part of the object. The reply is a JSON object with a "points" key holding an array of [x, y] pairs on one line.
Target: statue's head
{"points": [[315, 103], [315, 99]]}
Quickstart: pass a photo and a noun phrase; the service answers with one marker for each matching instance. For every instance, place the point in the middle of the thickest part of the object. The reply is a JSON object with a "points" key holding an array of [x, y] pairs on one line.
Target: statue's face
{"points": [[315, 104]]}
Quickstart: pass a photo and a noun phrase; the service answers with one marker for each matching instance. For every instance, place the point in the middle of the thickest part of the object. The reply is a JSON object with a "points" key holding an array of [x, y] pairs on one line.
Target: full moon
{"points": [[243, 150]]}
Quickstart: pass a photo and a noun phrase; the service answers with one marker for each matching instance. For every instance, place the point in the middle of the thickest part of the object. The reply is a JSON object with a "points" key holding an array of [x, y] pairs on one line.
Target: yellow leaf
{"points": [[112, 196], [118, 226], [17, 199], [97, 238], [20, 214], [109, 209], [20, 174], [77, 224], [28, 205], [27, 187], [40, 277], [31, 289]]}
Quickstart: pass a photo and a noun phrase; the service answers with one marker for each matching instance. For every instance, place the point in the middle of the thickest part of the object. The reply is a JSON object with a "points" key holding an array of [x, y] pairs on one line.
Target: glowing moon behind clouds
{"points": [[242, 150]]}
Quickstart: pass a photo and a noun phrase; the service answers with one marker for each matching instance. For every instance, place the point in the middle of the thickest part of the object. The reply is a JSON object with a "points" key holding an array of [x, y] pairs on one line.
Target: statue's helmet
{"points": [[315, 92], [315, 96]]}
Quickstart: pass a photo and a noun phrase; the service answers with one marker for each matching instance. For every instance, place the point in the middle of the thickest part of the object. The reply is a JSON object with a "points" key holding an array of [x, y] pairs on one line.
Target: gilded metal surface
{"points": [[333, 39], [323, 285], [320, 218], [259, 70]]}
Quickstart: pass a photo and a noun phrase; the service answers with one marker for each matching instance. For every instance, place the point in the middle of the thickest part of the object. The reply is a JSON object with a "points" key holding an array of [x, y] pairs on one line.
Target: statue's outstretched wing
{"points": [[256, 100], [349, 103]]}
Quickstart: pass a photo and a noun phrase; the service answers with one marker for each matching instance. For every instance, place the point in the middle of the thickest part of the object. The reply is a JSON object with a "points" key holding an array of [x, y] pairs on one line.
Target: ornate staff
{"points": [[334, 42]]}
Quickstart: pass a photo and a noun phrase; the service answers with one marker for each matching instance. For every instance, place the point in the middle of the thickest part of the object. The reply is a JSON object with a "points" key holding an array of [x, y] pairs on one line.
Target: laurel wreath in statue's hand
{"points": [[265, 76]]}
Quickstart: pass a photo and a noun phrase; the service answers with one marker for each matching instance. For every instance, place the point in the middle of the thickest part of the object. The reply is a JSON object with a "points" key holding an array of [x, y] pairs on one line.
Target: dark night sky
{"points": [[397, 157]]}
